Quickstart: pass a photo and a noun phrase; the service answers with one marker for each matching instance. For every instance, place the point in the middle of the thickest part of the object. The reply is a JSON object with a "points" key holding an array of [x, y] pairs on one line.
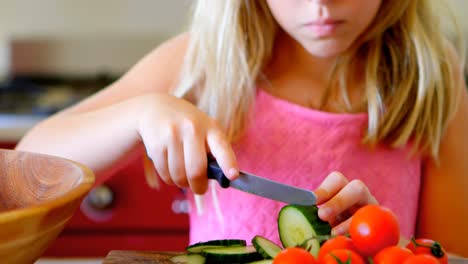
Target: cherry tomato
{"points": [[338, 242], [430, 247], [294, 255], [421, 259], [339, 256], [392, 255], [374, 227]]}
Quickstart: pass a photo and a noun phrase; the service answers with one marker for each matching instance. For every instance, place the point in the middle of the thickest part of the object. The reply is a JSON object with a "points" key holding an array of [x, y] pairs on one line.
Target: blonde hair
{"points": [[408, 76]]}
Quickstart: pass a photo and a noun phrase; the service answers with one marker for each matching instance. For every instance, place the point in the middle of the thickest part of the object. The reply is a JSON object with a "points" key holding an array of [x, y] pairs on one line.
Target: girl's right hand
{"points": [[177, 137]]}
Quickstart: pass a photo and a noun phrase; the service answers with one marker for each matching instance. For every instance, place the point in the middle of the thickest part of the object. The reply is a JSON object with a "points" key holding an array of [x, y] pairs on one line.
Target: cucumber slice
{"points": [[296, 223], [313, 246], [266, 247], [231, 254], [264, 261], [188, 258], [199, 247]]}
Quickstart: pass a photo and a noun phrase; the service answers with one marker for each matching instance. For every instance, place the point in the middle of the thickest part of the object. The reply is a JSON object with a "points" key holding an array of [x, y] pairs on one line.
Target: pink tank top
{"points": [[301, 146]]}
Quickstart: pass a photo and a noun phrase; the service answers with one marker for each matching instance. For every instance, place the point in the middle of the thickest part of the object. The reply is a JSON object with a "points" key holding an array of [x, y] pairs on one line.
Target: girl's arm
{"points": [[104, 131], [443, 213], [98, 131]]}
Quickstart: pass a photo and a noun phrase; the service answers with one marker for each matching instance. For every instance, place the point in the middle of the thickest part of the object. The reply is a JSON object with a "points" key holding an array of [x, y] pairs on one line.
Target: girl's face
{"points": [[325, 28]]}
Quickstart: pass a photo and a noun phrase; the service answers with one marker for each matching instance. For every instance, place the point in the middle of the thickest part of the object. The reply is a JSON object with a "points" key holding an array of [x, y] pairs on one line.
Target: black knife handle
{"points": [[214, 172]]}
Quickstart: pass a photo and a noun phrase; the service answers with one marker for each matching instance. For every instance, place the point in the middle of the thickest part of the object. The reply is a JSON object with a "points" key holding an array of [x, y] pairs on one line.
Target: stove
{"points": [[41, 95], [25, 100]]}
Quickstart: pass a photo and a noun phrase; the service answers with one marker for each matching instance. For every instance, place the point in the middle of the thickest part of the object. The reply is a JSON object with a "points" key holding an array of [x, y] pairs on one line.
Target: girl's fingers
{"points": [[221, 149], [159, 159], [342, 228], [354, 195], [176, 161], [151, 174], [332, 184], [195, 162]]}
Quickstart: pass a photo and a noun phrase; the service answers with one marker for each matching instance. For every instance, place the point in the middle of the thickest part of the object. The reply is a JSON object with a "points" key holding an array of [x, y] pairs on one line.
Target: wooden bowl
{"points": [[38, 195]]}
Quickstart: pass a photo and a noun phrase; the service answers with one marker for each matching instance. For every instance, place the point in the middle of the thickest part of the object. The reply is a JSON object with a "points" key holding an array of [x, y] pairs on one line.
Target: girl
{"points": [[292, 91]]}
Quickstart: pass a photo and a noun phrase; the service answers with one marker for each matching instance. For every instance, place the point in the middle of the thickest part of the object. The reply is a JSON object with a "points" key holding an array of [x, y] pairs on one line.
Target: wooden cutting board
{"points": [[156, 257], [139, 257]]}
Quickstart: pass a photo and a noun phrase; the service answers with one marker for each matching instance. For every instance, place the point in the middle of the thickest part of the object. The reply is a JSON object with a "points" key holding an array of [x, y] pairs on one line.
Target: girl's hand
{"points": [[338, 199], [178, 136]]}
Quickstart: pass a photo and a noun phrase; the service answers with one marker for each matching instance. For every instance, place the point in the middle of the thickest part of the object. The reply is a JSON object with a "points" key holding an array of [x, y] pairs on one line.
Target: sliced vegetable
{"points": [[265, 247], [297, 223], [313, 246], [263, 261], [188, 258], [198, 247], [231, 254]]}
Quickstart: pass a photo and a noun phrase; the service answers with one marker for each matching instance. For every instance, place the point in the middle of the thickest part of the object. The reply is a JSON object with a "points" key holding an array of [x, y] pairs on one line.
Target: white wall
{"points": [[70, 17], [135, 26], [84, 36], [64, 17], [141, 17]]}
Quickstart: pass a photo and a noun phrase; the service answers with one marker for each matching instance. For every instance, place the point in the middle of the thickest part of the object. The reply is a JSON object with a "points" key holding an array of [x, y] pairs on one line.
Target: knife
{"points": [[260, 186]]}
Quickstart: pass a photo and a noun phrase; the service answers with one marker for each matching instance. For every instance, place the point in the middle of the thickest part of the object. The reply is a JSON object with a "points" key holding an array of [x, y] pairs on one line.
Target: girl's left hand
{"points": [[338, 199]]}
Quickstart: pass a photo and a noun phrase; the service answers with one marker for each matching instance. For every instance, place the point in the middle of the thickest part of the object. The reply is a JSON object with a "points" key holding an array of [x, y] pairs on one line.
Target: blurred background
{"points": [[53, 53], [81, 37]]}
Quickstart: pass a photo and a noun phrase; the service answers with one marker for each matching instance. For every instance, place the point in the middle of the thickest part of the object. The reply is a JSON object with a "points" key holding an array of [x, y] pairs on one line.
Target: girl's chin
{"points": [[325, 50]]}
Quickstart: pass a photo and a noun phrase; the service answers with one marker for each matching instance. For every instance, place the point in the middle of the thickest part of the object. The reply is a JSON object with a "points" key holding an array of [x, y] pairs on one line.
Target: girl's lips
{"points": [[324, 28]]}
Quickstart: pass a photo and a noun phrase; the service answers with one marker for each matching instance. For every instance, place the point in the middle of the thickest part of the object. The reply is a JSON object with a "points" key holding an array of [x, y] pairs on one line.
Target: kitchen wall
{"points": [[88, 28], [70, 17], [143, 17]]}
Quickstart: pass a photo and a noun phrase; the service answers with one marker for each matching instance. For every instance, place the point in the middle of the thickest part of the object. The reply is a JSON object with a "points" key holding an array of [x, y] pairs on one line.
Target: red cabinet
{"points": [[7, 144], [125, 213]]}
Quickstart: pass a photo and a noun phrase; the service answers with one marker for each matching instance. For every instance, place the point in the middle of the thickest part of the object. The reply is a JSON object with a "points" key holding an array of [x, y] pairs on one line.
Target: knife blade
{"points": [[262, 187]]}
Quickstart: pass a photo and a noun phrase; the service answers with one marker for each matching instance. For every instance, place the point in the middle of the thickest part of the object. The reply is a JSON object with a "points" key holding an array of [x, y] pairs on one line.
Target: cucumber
{"points": [[313, 246], [198, 247], [231, 254], [188, 258], [298, 223], [266, 247], [263, 261]]}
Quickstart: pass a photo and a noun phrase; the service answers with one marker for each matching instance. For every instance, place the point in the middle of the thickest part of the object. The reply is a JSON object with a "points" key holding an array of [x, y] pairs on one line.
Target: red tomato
{"points": [[338, 242], [339, 256], [374, 227], [294, 255], [421, 259], [430, 247], [392, 255]]}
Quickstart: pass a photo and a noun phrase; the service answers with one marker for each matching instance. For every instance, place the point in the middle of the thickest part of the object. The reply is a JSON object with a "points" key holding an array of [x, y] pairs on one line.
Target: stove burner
{"points": [[46, 95]]}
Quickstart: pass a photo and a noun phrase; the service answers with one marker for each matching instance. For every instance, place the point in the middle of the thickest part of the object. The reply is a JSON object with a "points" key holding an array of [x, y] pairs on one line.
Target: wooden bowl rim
{"points": [[76, 193]]}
